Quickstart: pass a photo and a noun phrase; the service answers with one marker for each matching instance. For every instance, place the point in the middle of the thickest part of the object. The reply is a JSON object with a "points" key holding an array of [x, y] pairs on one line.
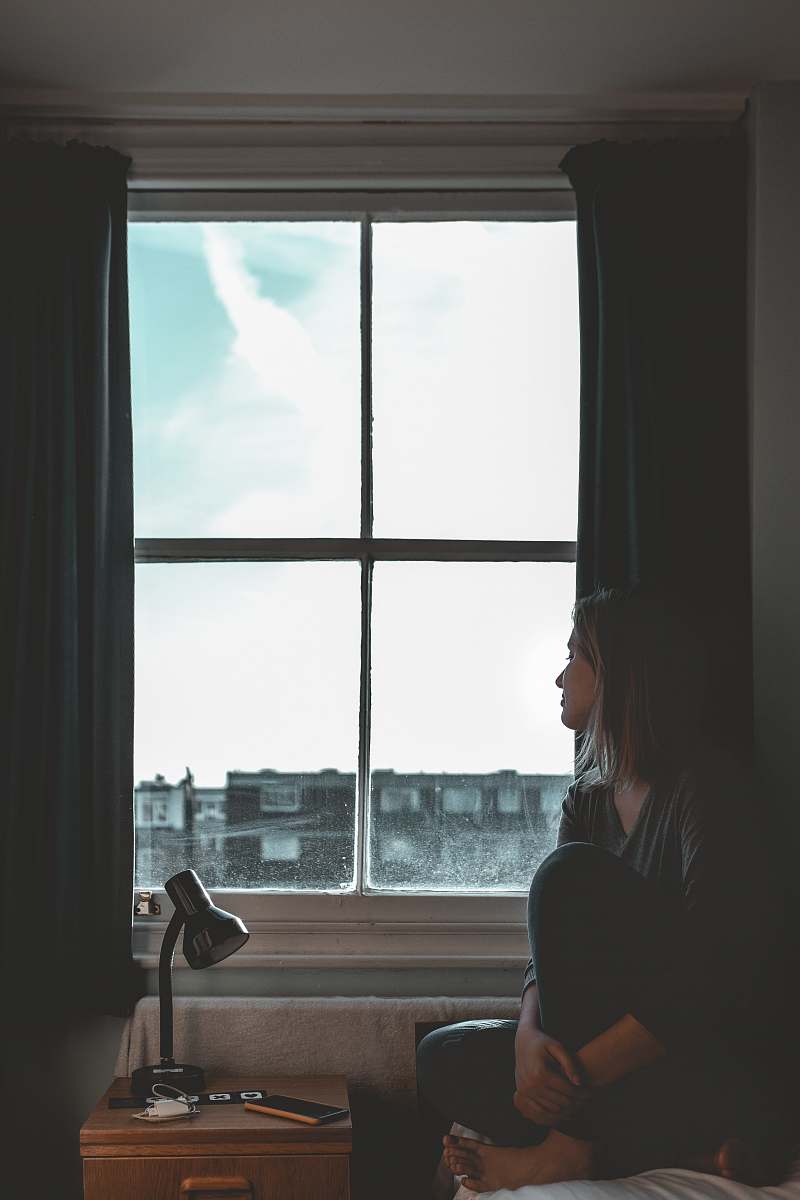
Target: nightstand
{"points": [[221, 1152]]}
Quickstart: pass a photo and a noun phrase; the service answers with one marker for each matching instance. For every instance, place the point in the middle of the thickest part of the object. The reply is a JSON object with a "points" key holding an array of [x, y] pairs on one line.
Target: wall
{"points": [[774, 125], [50, 1080], [64, 1080], [357, 46]]}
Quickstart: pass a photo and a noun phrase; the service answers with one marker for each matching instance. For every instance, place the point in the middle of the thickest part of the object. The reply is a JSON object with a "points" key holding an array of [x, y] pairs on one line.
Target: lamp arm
{"points": [[165, 984]]}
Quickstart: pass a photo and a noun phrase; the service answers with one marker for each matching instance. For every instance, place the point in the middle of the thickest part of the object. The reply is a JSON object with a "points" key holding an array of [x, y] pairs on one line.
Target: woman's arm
{"points": [[529, 1009], [548, 1076], [624, 1047]]}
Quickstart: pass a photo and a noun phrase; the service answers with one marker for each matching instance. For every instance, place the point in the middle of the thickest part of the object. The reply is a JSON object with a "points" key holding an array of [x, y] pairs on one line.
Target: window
{"points": [[277, 798], [397, 799], [355, 438], [463, 801]]}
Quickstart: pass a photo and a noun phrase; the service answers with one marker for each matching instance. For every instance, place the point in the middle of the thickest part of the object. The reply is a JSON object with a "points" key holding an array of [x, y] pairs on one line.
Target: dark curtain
{"points": [[66, 621], [664, 492]]}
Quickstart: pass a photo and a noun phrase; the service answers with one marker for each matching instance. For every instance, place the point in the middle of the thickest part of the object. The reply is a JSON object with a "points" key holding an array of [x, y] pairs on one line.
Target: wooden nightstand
{"points": [[221, 1152]]}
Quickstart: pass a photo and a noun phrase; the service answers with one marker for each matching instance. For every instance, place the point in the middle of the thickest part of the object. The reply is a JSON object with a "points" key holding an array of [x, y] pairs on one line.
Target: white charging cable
{"points": [[167, 1108]]}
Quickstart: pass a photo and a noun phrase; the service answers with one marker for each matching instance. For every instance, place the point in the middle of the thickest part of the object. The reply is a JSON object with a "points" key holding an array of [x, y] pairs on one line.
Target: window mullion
{"points": [[366, 376], [330, 549], [365, 696]]}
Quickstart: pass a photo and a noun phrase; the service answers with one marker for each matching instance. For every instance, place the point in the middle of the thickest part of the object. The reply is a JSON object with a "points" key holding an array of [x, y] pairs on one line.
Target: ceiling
{"points": [[399, 47]]}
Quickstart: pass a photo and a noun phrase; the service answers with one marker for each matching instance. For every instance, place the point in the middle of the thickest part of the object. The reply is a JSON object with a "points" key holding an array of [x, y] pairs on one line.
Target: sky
{"points": [[245, 345]]}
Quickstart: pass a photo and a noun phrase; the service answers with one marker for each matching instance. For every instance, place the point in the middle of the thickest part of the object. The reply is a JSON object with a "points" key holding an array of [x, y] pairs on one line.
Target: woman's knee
{"points": [[570, 866], [452, 1054], [430, 1057]]}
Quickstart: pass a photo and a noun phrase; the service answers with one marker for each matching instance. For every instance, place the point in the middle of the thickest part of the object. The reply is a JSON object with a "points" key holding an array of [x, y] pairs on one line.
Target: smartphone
{"points": [[310, 1112]]}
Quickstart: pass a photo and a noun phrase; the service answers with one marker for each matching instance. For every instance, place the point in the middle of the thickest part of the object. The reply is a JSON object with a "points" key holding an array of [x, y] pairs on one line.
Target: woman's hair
{"points": [[650, 683]]}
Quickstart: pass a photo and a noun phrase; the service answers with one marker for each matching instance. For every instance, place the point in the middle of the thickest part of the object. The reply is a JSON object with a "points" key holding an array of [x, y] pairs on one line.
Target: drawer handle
{"points": [[217, 1185]]}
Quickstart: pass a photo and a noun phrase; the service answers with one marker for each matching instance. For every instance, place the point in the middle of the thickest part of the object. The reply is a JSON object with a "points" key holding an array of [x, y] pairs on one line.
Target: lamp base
{"points": [[179, 1075]]}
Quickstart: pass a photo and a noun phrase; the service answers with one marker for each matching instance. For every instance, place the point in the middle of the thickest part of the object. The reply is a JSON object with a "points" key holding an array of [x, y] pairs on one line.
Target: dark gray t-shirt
{"points": [[701, 838]]}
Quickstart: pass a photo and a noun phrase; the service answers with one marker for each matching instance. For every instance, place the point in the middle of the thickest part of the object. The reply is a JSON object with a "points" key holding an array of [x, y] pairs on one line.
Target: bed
{"points": [[663, 1184]]}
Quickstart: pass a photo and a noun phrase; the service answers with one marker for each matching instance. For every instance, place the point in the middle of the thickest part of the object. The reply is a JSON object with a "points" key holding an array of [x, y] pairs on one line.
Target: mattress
{"points": [[664, 1184]]}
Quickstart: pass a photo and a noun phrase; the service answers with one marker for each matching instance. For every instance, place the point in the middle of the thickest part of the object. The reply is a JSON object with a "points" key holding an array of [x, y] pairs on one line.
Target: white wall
{"points": [[410, 47], [775, 432]]}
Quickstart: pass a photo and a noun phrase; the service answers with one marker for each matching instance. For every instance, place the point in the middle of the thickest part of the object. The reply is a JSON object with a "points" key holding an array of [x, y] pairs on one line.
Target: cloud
{"points": [[475, 380], [319, 486], [269, 339]]}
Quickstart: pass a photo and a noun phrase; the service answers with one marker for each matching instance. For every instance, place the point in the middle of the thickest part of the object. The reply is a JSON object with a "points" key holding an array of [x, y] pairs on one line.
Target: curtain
{"points": [[66, 614], [664, 468]]}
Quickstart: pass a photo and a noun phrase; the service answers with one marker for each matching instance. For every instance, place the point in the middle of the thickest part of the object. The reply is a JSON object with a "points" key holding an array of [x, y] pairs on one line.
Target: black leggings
{"points": [[605, 942]]}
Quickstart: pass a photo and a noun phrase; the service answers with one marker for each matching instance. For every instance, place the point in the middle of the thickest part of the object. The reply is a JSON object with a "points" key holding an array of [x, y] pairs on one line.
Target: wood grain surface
{"points": [[294, 1177], [227, 1130]]}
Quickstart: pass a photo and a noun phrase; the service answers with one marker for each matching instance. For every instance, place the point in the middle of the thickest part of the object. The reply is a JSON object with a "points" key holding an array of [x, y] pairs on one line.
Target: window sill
{"points": [[370, 931]]}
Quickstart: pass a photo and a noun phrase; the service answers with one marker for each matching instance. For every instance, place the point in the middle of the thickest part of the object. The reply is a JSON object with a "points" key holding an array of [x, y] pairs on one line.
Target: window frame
{"points": [[362, 928]]}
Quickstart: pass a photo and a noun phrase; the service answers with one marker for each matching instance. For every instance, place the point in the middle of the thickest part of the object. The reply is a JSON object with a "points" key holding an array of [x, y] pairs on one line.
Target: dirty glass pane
{"points": [[246, 376], [470, 760], [475, 379], [246, 728]]}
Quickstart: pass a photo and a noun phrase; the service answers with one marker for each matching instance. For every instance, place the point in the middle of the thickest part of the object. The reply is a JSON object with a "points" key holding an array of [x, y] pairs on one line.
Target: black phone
{"points": [[308, 1110]]}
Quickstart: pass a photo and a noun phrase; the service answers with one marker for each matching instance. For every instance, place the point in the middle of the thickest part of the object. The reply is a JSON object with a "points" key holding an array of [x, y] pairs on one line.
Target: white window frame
{"points": [[358, 929]]}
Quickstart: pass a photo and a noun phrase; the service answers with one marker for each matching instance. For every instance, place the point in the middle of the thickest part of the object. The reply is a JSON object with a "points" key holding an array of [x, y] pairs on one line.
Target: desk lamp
{"points": [[211, 934]]}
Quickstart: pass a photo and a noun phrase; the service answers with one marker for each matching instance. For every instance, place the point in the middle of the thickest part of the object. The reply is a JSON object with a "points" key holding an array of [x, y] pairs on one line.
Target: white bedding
{"points": [[672, 1183]]}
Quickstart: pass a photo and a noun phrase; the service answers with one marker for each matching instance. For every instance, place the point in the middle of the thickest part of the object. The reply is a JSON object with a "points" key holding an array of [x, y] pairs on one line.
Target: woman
{"points": [[650, 1030]]}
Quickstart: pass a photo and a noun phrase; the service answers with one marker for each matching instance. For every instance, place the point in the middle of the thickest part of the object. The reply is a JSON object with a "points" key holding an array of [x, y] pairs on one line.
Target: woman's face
{"points": [[577, 683]]}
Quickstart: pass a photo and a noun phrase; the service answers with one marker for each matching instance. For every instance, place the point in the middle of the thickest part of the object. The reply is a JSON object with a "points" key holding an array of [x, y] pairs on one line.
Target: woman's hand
{"points": [[548, 1076]]}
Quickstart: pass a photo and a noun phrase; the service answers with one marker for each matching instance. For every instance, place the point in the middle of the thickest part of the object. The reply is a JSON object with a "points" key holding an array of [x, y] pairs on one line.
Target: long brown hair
{"points": [[650, 682]]}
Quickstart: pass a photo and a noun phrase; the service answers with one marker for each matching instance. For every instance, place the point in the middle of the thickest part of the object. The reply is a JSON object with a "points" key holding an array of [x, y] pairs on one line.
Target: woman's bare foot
{"points": [[739, 1160], [444, 1186], [488, 1168]]}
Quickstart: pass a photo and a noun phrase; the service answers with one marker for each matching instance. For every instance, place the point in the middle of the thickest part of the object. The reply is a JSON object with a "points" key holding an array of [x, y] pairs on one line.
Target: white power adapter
{"points": [[168, 1108], [164, 1108]]}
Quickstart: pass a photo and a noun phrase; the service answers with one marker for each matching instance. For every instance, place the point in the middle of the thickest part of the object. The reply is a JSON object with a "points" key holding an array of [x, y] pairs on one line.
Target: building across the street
{"points": [[278, 829]]}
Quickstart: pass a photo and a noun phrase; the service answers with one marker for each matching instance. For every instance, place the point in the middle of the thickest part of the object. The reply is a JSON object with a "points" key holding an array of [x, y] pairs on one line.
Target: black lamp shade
{"points": [[211, 936], [210, 933]]}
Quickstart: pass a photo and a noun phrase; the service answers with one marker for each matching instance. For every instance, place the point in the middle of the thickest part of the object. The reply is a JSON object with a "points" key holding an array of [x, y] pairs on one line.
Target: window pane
{"points": [[470, 759], [475, 379], [246, 731], [245, 357]]}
